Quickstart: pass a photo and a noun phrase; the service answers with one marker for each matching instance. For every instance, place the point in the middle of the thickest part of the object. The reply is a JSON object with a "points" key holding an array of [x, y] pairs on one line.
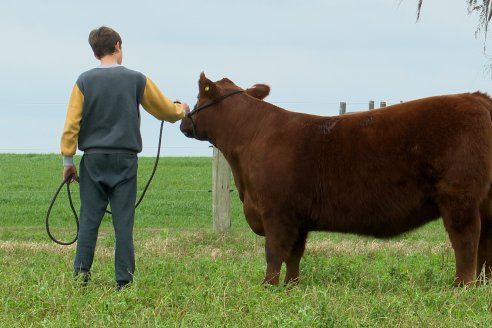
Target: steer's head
{"points": [[210, 107]]}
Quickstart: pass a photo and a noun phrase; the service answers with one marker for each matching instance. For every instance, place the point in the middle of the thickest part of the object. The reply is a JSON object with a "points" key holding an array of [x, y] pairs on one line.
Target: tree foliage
{"points": [[481, 7]]}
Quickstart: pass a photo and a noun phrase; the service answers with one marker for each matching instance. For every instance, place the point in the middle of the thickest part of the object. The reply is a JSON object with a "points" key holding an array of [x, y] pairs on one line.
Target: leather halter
{"points": [[206, 105]]}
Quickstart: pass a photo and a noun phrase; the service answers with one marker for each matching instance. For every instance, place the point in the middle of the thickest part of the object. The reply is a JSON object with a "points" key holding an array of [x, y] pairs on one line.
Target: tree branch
{"points": [[482, 7]]}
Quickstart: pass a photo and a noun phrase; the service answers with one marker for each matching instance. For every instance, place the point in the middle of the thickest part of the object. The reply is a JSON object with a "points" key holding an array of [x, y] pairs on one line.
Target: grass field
{"points": [[187, 276]]}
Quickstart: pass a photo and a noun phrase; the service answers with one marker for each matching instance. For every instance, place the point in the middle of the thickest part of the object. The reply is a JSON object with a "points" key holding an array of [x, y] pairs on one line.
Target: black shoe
{"points": [[82, 277], [120, 284]]}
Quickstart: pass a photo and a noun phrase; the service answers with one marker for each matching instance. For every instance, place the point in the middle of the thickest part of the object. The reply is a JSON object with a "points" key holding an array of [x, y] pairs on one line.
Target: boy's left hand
{"points": [[70, 173]]}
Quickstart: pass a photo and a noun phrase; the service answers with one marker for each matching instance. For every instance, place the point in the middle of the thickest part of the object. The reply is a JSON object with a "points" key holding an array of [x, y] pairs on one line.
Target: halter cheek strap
{"points": [[206, 105]]}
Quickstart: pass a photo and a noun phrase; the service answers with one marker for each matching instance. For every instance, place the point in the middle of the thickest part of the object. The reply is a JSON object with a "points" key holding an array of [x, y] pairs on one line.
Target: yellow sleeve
{"points": [[72, 123], [158, 105]]}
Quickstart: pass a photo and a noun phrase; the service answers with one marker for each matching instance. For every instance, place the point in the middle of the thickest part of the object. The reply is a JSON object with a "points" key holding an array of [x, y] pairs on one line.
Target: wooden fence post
{"points": [[343, 107], [371, 104], [221, 195]]}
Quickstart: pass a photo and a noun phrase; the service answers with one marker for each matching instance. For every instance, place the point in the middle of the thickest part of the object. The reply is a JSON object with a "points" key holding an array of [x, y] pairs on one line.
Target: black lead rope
{"points": [[76, 218], [73, 211]]}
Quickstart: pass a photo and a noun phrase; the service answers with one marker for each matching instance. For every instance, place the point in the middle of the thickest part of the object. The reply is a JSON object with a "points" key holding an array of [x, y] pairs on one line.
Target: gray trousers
{"points": [[107, 178]]}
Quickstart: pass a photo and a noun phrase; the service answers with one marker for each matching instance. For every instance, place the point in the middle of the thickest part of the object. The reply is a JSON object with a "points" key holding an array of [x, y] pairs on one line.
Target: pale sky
{"points": [[313, 54]]}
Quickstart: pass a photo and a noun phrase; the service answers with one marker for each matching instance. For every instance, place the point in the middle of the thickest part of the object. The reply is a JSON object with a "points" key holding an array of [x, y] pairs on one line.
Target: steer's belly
{"points": [[381, 225]]}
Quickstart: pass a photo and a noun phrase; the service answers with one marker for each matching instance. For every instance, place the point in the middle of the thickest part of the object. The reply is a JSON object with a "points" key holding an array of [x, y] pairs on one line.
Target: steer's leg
{"points": [[463, 227], [279, 241], [292, 262], [485, 245]]}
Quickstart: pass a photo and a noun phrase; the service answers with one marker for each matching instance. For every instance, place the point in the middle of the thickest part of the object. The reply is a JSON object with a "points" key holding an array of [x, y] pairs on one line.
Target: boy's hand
{"points": [[185, 107], [70, 173]]}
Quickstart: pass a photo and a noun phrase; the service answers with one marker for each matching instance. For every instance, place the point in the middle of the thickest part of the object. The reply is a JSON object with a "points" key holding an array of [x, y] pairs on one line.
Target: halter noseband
{"points": [[208, 104]]}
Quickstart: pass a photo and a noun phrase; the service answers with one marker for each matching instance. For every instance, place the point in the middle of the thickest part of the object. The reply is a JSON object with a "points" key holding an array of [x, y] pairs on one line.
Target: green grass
{"points": [[188, 276]]}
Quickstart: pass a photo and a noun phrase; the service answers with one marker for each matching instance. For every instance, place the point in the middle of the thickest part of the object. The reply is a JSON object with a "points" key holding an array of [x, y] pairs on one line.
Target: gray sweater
{"points": [[103, 114]]}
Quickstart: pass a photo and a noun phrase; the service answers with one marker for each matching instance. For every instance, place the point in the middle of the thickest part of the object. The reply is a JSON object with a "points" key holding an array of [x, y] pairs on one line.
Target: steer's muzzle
{"points": [[186, 127]]}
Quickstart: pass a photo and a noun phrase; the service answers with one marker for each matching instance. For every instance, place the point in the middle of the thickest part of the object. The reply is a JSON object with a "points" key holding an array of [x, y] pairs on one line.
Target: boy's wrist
{"points": [[68, 161]]}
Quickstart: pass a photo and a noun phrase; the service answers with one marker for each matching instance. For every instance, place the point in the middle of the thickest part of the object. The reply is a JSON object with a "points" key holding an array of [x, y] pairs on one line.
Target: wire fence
{"points": [[50, 150], [150, 191]]}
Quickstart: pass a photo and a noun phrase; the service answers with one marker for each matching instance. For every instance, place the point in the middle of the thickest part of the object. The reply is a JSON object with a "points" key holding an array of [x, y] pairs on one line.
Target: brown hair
{"points": [[103, 41]]}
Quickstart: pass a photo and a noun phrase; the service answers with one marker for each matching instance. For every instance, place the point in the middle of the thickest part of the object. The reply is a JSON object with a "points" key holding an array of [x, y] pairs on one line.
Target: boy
{"points": [[103, 118]]}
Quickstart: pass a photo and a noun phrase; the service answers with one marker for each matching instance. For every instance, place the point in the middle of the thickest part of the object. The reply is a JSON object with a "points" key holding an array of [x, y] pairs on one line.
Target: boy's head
{"points": [[104, 41]]}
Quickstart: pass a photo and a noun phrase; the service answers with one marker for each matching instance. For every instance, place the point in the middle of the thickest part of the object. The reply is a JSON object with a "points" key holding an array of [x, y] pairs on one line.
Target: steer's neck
{"points": [[241, 121]]}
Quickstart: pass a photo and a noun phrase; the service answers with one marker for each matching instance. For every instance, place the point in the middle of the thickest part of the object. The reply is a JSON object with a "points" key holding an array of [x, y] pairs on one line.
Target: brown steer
{"points": [[378, 173]]}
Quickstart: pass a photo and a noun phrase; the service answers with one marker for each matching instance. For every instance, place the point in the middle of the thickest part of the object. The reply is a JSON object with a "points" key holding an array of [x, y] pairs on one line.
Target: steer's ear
{"points": [[207, 88], [259, 91]]}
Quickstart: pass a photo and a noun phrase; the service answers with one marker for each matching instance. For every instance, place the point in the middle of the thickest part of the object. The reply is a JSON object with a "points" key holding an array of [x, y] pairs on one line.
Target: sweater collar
{"points": [[108, 65]]}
